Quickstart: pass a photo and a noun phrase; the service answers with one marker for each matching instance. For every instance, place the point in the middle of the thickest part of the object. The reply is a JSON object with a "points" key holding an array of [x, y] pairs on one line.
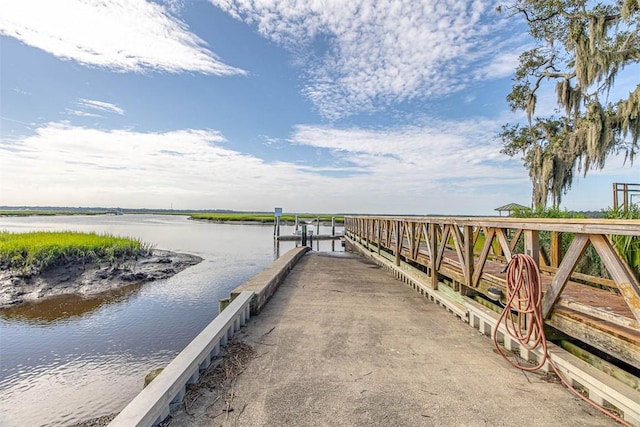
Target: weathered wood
{"points": [[458, 242], [398, 241], [468, 255], [577, 248], [556, 249], [532, 245], [601, 364], [626, 227], [433, 241], [441, 245], [504, 244], [627, 283], [488, 243], [611, 339], [514, 240]]}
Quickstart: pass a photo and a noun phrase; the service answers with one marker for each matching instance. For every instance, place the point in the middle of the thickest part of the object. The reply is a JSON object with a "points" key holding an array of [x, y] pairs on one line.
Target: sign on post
{"points": [[278, 212]]}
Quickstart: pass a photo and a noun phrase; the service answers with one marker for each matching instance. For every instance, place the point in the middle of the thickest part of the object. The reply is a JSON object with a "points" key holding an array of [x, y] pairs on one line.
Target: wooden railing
{"points": [[468, 256]]}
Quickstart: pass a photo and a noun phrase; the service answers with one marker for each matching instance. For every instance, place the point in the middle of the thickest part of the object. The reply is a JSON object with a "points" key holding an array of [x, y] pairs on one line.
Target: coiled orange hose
{"points": [[524, 299]]}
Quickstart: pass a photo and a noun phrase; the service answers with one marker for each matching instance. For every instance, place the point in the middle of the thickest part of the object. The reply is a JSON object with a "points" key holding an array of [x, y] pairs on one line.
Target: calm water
{"points": [[69, 359]]}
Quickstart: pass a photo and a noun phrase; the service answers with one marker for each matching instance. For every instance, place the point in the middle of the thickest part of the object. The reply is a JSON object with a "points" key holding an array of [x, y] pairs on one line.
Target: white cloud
{"points": [[81, 113], [175, 6], [441, 167], [62, 164], [100, 106], [120, 35], [503, 65], [362, 55]]}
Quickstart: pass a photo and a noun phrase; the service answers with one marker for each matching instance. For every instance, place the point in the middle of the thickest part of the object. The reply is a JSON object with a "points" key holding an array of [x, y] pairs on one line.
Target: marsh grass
{"points": [[35, 252], [262, 218], [47, 213]]}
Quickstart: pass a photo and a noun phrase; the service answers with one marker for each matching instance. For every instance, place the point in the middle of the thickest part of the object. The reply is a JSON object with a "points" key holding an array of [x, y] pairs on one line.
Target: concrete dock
{"points": [[364, 349]]}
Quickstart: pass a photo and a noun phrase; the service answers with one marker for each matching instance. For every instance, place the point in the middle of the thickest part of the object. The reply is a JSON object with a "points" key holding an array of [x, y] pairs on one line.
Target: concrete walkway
{"points": [[342, 343]]}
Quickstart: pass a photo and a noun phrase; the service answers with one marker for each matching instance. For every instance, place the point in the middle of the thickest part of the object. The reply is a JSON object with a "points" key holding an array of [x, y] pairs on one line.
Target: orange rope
{"points": [[524, 298]]}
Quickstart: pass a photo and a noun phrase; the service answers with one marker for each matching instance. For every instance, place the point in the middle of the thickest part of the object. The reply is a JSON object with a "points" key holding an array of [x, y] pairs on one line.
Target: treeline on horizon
{"points": [[65, 210]]}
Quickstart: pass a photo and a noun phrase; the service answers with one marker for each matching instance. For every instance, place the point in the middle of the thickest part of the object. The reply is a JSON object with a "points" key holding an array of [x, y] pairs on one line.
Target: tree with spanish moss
{"points": [[581, 46]]}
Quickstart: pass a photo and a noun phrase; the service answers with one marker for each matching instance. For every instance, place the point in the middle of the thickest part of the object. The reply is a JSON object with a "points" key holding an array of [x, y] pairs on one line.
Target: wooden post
{"points": [[398, 242], [379, 234], [333, 226], [278, 226], [317, 226], [568, 264], [433, 242], [532, 245], [556, 249], [468, 256], [297, 223]]}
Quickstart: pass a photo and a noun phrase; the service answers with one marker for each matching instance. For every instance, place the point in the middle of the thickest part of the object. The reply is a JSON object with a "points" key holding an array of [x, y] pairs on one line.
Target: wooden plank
{"points": [[577, 248], [488, 242], [626, 227], [619, 342], [504, 244], [433, 241], [601, 364], [398, 228], [556, 248], [514, 240], [532, 245], [468, 255], [625, 280], [443, 246], [458, 242]]}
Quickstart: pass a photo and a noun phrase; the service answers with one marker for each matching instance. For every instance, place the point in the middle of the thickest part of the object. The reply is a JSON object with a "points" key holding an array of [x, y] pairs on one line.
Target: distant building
{"points": [[512, 207]]}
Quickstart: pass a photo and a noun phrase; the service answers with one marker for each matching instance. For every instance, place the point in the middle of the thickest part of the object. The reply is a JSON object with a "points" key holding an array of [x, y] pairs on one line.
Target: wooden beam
{"points": [[488, 243], [514, 240], [577, 248], [624, 278], [620, 343], [556, 248], [468, 255], [532, 245], [459, 245], [504, 244], [398, 228], [433, 260], [443, 246]]}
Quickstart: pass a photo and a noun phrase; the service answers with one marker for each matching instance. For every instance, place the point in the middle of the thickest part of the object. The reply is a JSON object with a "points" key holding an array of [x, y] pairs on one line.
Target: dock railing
{"points": [[460, 263], [469, 254], [153, 403]]}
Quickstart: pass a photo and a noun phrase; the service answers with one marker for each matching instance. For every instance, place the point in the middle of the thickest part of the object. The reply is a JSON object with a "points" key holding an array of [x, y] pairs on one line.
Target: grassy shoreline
{"points": [[47, 213], [34, 252], [261, 218]]}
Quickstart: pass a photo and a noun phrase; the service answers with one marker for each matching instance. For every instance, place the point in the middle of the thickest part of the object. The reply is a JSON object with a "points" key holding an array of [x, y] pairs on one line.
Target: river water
{"points": [[68, 359]]}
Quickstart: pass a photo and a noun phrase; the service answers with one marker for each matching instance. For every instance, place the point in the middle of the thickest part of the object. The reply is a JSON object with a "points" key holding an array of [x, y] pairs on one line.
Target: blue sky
{"points": [[365, 106]]}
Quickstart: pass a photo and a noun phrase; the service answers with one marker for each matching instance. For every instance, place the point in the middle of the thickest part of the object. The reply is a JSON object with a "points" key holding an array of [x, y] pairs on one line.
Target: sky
{"points": [[324, 106]]}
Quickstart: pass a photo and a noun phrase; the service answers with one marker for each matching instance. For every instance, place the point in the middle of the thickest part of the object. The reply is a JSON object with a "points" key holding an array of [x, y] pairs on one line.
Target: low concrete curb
{"points": [[153, 403], [265, 283]]}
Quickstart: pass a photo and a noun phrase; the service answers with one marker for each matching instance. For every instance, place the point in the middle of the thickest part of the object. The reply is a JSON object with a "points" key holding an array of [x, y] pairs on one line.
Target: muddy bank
{"points": [[90, 279]]}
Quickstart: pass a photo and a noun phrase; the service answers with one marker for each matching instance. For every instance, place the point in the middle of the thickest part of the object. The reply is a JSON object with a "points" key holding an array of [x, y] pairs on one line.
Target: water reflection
{"points": [[61, 307], [67, 359]]}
